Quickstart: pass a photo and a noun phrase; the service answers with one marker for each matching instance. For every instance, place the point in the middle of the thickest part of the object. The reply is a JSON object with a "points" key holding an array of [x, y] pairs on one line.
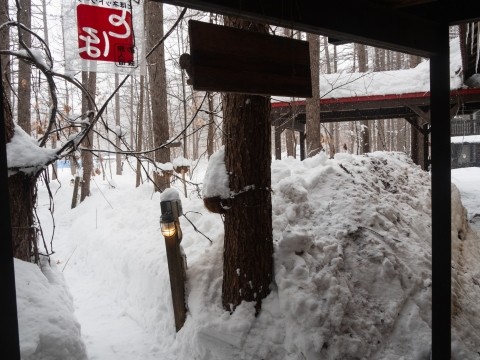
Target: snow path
{"points": [[114, 334], [107, 329]]}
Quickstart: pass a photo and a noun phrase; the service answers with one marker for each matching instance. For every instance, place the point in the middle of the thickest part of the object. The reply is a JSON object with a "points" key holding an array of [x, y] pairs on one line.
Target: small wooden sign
{"points": [[226, 59]]}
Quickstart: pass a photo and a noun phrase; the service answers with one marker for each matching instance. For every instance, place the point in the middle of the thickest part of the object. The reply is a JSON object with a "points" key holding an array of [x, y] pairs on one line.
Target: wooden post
{"points": [[441, 199], [171, 209], [9, 338]]}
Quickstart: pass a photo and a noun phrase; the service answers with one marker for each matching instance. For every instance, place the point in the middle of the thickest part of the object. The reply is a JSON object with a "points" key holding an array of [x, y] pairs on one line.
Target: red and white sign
{"points": [[105, 34]]}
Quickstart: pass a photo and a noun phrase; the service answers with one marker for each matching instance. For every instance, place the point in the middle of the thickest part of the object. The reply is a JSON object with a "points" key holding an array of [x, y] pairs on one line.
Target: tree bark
{"points": [[22, 199], [140, 130], [364, 130], [118, 156], [248, 253], [211, 126], [290, 143], [89, 80], [158, 87], [327, 55], [4, 44], [25, 71], [312, 105]]}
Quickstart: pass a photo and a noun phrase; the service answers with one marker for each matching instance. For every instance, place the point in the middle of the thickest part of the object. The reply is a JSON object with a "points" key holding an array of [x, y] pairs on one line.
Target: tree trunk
{"points": [[327, 55], [132, 123], [312, 105], [335, 60], [22, 200], [290, 143], [211, 126], [140, 130], [331, 139], [364, 131], [118, 156], [158, 87], [25, 71], [4, 44], [89, 80], [248, 253]]}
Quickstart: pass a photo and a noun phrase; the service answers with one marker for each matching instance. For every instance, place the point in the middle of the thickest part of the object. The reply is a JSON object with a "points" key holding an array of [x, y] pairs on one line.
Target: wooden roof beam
{"points": [[351, 20]]}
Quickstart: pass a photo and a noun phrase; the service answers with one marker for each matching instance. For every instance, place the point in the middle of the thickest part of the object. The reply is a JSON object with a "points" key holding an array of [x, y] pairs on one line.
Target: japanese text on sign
{"points": [[106, 33]]}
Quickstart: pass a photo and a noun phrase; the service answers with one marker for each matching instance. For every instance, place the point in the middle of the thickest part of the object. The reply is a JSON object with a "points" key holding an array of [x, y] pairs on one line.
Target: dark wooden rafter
{"points": [[455, 11], [414, 122], [424, 115], [415, 37]]}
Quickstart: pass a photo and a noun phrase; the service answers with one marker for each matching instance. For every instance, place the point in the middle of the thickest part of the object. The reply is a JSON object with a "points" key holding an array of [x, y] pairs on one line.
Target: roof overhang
{"points": [[407, 26]]}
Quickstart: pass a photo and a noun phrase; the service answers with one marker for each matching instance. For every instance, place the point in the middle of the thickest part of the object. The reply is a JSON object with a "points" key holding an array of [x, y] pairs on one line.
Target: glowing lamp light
{"points": [[171, 208], [168, 228]]}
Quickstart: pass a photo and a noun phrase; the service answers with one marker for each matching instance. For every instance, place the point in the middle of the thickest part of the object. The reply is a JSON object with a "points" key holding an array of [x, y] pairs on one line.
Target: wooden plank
{"points": [[226, 59]]}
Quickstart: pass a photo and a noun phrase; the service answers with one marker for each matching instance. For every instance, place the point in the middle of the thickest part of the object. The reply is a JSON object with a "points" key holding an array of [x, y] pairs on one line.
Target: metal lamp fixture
{"points": [[167, 225]]}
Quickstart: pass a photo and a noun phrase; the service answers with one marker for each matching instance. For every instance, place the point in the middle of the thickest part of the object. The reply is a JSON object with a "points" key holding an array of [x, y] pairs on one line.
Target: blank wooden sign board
{"points": [[226, 59]]}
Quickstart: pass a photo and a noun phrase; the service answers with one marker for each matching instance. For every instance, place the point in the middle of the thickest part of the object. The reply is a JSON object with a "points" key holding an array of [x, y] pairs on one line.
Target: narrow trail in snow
{"points": [[108, 331]]}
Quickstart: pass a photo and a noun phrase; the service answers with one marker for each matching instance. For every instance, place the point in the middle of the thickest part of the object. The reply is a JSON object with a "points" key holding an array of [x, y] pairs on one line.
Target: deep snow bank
{"points": [[48, 328]]}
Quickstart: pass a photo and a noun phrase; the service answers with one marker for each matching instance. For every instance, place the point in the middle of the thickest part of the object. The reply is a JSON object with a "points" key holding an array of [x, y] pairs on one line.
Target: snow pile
{"points": [[48, 328], [352, 270], [352, 267]]}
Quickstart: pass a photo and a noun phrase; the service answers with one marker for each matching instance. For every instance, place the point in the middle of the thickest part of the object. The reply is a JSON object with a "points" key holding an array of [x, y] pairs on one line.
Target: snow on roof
{"points": [[470, 139], [415, 80]]}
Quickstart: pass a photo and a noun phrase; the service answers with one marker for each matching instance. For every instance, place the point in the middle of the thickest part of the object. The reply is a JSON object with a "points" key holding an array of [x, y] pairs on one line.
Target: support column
{"points": [[441, 199], [9, 339]]}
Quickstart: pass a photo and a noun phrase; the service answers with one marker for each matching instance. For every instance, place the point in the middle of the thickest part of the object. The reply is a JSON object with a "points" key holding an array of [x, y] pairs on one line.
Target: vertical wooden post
{"points": [[9, 338], [176, 262], [441, 199]]}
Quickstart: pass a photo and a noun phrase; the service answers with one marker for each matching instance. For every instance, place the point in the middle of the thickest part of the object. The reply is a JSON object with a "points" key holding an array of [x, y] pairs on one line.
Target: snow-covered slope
{"points": [[352, 268]]}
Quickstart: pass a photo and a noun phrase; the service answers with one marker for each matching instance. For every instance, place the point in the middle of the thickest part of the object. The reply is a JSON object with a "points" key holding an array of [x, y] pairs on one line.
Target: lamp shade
{"points": [[168, 228]]}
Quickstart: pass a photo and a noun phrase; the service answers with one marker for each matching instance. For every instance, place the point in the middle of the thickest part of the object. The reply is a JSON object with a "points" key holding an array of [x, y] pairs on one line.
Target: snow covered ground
{"points": [[352, 269]]}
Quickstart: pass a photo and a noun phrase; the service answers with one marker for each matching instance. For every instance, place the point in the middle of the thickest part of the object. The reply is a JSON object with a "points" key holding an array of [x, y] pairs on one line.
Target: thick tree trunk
{"points": [[4, 44], [312, 105], [158, 88], [248, 262], [25, 71], [22, 199]]}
